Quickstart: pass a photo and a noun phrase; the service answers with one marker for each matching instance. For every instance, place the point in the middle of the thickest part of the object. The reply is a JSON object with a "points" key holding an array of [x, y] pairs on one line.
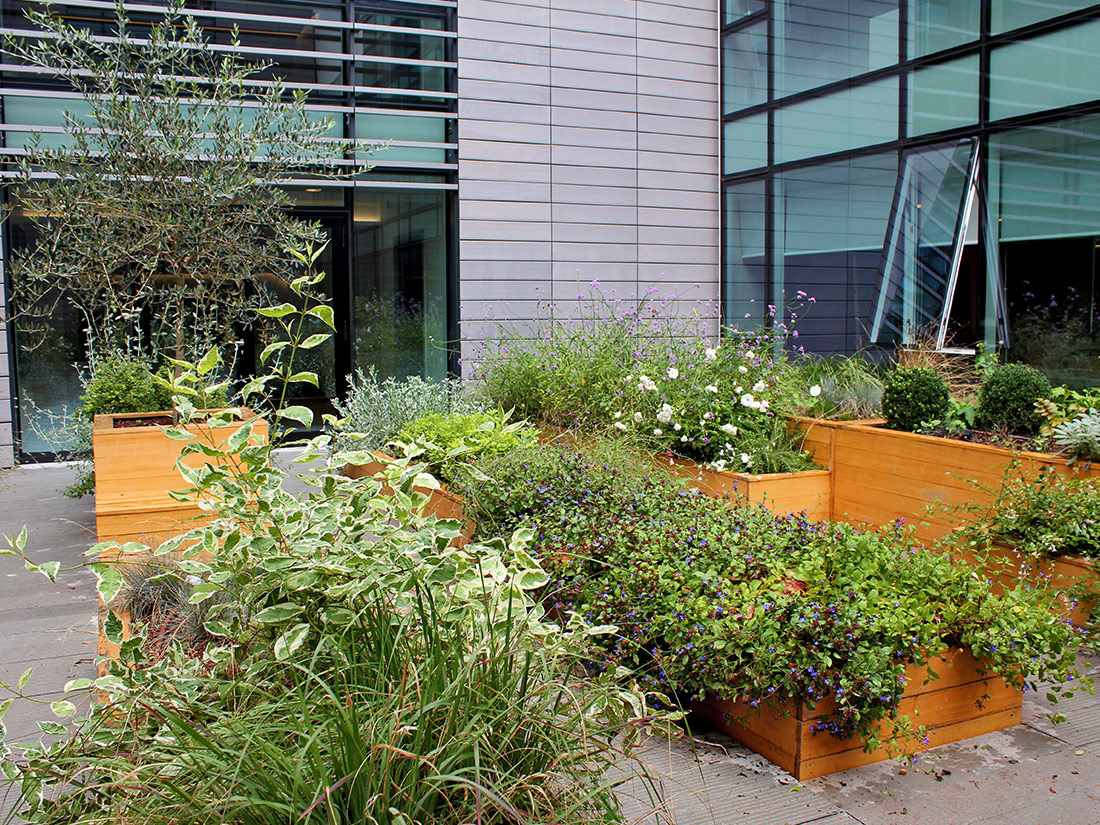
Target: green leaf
{"points": [[290, 641], [62, 709], [108, 581], [49, 569], [303, 415], [176, 434], [4, 707], [304, 376], [208, 361], [52, 728], [271, 349], [202, 592], [315, 340], [324, 313], [21, 540], [239, 438], [280, 311], [77, 684], [112, 627], [26, 677], [278, 613]]}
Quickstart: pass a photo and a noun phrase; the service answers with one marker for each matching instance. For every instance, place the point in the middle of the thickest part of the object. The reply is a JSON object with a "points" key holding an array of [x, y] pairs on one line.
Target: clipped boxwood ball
{"points": [[913, 396], [1008, 396]]}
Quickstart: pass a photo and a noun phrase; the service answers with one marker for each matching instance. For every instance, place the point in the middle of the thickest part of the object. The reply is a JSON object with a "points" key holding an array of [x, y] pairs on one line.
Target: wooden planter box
{"points": [[965, 701], [135, 469], [782, 493], [880, 475], [442, 503]]}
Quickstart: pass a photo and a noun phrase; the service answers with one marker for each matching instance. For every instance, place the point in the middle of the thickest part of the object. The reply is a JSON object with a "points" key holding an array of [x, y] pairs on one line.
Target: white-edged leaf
{"points": [[271, 349], [315, 340], [305, 376], [108, 581], [52, 728], [25, 677], [112, 627], [208, 361], [239, 438], [62, 709], [324, 313], [290, 641], [4, 707], [49, 569], [280, 311], [303, 415], [279, 613], [202, 592], [77, 684]]}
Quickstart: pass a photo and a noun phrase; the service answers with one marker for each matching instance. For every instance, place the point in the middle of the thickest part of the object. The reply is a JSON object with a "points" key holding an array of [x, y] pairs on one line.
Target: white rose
{"points": [[673, 373], [621, 425], [729, 429], [664, 415], [677, 426], [738, 390], [711, 388], [638, 417], [683, 438], [759, 386], [658, 431], [645, 383], [815, 390], [746, 459], [763, 406], [742, 369], [618, 415], [710, 354], [747, 400]]}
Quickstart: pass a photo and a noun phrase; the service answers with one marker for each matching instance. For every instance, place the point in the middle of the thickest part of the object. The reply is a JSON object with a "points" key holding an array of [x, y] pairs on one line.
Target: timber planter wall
{"points": [[965, 701], [135, 469], [442, 503]]}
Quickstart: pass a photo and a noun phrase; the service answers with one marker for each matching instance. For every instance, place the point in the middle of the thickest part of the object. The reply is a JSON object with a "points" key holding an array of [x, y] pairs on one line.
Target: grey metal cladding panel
{"points": [[594, 118], [588, 251], [504, 191], [504, 231], [502, 112], [707, 164], [704, 52], [675, 106], [503, 270], [582, 176], [501, 32], [538, 133], [504, 72], [503, 209], [473, 48], [665, 125], [600, 234], [676, 32], [596, 138], [595, 193], [521, 286], [685, 75], [498, 250], [612, 8], [588, 156], [503, 150], [592, 42], [503, 92], [594, 213], [682, 253], [527, 14], [703, 219], [703, 14], [492, 170], [591, 76], [659, 232], [679, 198], [603, 271], [679, 144], [592, 21], [591, 99], [662, 179]]}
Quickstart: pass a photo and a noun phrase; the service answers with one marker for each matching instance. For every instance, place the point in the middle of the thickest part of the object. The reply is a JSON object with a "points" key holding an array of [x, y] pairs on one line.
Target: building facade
{"points": [[925, 170]]}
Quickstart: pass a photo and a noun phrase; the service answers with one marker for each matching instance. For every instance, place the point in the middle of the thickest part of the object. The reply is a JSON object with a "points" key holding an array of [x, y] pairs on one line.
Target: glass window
{"points": [[860, 116], [821, 41], [935, 25], [830, 222], [744, 68], [1045, 72], [944, 96], [407, 45], [1011, 14], [400, 128], [400, 282], [1044, 193], [745, 144], [733, 10], [743, 278]]}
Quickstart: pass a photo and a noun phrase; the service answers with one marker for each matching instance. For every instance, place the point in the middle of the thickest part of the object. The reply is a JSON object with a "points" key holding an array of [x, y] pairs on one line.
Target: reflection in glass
{"points": [[743, 277], [403, 127], [1011, 14], [821, 41], [402, 46], [744, 68], [733, 10], [1045, 200], [944, 96], [745, 143], [400, 282], [935, 25], [1045, 72], [830, 221], [860, 116]]}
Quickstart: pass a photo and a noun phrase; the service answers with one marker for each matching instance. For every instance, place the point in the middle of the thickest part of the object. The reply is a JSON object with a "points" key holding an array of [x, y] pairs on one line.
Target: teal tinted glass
{"points": [[822, 41], [944, 96], [743, 274], [1056, 69], [1011, 14], [734, 10], [935, 25], [860, 116], [744, 68], [400, 128], [745, 144]]}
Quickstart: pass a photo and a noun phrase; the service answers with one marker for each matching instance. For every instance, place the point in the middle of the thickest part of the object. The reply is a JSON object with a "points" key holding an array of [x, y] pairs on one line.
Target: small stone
{"points": [[903, 771]]}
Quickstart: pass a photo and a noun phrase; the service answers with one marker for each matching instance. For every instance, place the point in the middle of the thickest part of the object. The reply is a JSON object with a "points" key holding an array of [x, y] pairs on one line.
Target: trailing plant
{"points": [[377, 409], [447, 438], [912, 396], [1008, 397], [735, 601], [1064, 404], [837, 387]]}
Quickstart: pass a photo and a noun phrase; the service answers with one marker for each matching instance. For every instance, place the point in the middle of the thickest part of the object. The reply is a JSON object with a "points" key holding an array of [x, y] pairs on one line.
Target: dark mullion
{"points": [[742, 22], [769, 180]]}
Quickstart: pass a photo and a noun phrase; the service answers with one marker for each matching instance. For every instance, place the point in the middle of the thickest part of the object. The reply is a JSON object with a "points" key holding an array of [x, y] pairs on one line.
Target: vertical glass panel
{"points": [[944, 96], [923, 241], [400, 282], [830, 221], [407, 45], [744, 68], [1044, 196], [743, 279], [935, 25], [745, 144], [1011, 14], [860, 116], [822, 41], [1045, 72], [733, 10], [404, 128]]}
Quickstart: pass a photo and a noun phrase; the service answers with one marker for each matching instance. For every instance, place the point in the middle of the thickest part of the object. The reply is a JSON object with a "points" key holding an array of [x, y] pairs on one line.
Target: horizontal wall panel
{"points": [[499, 70], [504, 210], [503, 150], [491, 170], [513, 131], [503, 92], [585, 176], [495, 11], [520, 54], [501, 112]]}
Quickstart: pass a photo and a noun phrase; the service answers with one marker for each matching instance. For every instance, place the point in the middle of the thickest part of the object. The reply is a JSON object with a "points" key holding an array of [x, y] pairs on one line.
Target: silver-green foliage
{"points": [[377, 409], [1080, 436]]}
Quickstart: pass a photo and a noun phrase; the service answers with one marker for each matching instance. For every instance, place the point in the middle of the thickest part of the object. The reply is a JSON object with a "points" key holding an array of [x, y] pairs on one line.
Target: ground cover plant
{"points": [[447, 441], [732, 600], [629, 367]]}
